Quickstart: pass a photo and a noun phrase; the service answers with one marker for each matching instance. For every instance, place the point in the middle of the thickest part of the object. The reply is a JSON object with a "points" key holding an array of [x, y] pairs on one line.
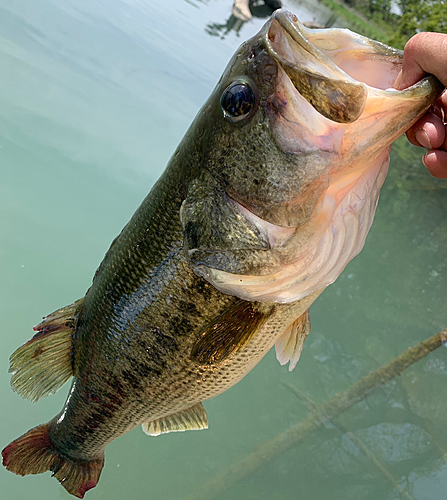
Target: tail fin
{"points": [[34, 453], [43, 364]]}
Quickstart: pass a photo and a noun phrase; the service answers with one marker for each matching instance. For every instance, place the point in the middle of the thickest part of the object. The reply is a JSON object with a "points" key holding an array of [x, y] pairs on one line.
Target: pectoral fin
{"points": [[289, 346], [192, 419], [231, 331]]}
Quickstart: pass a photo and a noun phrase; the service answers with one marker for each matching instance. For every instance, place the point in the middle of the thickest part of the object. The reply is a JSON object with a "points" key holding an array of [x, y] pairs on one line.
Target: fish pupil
{"points": [[237, 101]]}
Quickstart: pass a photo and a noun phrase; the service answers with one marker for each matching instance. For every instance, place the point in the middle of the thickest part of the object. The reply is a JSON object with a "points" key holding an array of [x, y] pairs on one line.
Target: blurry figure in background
{"points": [[243, 10], [427, 53]]}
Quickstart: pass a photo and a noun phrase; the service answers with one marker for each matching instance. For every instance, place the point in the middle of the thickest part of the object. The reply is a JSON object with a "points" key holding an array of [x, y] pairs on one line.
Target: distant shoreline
{"points": [[358, 22]]}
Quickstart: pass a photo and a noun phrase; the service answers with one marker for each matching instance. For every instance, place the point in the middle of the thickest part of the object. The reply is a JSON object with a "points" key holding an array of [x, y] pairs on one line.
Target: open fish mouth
{"points": [[334, 112], [336, 70]]}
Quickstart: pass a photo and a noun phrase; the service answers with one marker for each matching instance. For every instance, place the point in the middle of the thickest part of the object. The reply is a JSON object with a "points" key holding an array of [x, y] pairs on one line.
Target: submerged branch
{"points": [[313, 406], [297, 433]]}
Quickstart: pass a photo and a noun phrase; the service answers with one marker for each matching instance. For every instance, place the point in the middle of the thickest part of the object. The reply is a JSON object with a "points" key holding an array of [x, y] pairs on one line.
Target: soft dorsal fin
{"points": [[289, 346], [192, 419], [42, 365], [232, 330]]}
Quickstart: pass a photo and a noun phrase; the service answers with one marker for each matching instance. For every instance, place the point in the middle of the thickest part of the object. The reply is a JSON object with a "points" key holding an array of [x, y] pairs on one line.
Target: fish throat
{"points": [[313, 255]]}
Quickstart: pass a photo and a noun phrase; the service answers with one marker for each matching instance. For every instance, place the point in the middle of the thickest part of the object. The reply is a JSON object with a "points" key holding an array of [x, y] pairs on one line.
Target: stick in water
{"points": [[297, 433]]}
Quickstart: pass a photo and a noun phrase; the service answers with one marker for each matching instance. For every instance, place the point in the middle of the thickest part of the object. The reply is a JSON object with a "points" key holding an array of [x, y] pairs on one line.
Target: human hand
{"points": [[427, 53]]}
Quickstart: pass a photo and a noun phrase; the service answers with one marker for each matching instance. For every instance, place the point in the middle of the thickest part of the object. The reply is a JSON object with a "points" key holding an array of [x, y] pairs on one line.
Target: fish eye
{"points": [[237, 100]]}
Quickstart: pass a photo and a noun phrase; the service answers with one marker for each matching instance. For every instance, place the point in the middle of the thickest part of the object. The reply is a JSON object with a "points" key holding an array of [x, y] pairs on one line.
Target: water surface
{"points": [[94, 98]]}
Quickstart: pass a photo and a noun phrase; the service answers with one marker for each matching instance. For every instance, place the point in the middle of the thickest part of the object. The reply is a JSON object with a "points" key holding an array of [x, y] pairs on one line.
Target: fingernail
{"points": [[424, 160], [423, 139]]}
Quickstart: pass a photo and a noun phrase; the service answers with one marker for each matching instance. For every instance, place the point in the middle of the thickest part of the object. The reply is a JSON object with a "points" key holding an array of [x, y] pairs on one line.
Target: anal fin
{"points": [[192, 419], [43, 364], [289, 346]]}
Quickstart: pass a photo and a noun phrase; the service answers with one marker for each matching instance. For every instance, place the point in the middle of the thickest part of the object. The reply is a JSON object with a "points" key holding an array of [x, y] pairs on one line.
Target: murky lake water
{"points": [[94, 98]]}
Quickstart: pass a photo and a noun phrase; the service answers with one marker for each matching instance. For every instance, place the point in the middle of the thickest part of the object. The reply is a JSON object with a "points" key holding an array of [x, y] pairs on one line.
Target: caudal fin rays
{"points": [[34, 453]]}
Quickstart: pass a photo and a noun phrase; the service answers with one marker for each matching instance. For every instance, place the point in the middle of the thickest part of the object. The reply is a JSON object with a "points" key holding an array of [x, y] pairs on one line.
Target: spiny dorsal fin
{"points": [[193, 419], [232, 330], [42, 365], [289, 346]]}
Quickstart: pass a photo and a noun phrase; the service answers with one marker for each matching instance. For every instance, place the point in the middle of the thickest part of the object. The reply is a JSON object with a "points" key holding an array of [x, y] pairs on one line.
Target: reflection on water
{"points": [[244, 10], [235, 22], [222, 30], [94, 98]]}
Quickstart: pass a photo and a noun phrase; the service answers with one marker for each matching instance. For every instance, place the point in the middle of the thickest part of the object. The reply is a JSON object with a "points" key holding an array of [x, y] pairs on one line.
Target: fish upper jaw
{"points": [[334, 90]]}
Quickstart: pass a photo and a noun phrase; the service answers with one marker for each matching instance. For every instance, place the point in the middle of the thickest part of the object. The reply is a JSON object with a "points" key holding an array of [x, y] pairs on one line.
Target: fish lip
{"points": [[289, 23], [331, 91]]}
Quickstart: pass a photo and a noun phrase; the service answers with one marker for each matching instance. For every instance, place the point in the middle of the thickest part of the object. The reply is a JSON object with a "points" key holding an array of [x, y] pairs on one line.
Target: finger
{"points": [[424, 53], [436, 163], [439, 108], [428, 132]]}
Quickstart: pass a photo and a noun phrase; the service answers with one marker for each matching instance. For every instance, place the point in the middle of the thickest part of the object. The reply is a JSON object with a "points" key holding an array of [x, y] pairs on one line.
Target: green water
{"points": [[94, 98]]}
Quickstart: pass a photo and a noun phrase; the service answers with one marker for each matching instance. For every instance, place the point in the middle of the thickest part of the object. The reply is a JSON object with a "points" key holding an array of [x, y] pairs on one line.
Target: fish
{"points": [[270, 194]]}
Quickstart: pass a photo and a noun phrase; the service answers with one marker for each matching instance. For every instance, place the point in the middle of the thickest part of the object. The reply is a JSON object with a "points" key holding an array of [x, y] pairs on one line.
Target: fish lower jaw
{"points": [[323, 257]]}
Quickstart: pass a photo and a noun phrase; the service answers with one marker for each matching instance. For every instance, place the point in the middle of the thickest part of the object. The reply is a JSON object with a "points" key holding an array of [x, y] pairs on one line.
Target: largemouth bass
{"points": [[270, 194]]}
